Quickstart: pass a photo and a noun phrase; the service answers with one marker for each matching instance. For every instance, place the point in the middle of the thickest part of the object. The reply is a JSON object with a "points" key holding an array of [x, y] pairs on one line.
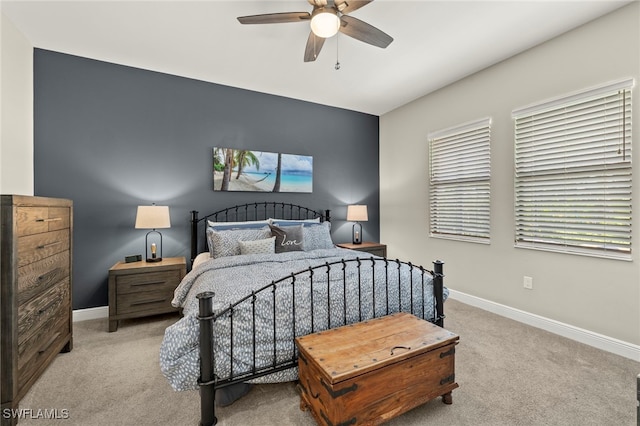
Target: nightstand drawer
{"points": [[160, 282], [141, 302], [377, 251]]}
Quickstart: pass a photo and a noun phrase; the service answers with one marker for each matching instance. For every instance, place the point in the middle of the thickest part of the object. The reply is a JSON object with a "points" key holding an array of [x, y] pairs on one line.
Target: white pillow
{"points": [[202, 257], [265, 246]]}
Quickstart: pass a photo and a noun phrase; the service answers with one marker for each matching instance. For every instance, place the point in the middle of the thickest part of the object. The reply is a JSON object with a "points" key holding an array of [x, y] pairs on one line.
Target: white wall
{"points": [[16, 106], [598, 295]]}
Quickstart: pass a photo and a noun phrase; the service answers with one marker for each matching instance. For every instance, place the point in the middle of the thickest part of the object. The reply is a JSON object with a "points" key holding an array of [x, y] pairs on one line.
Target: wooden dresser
{"points": [[35, 295]]}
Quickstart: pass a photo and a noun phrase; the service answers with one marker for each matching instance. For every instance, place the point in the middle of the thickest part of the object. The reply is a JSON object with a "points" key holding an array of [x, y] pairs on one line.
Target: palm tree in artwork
{"points": [[245, 158], [276, 186], [226, 173]]}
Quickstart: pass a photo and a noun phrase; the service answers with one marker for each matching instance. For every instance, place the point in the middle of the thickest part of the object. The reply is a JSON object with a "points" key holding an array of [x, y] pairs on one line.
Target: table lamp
{"points": [[153, 217], [357, 213]]}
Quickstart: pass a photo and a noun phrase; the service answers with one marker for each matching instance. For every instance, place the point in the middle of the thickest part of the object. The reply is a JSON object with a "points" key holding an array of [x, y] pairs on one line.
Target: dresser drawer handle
{"points": [[44, 246], [53, 219], [49, 343], [47, 307], [147, 302]]}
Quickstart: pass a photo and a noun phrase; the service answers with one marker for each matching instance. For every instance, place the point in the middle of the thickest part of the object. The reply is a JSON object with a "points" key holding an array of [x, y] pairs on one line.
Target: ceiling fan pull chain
{"points": [[337, 66]]}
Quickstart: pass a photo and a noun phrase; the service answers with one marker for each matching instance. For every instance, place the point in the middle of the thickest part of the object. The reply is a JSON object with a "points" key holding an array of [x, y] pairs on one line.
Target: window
{"points": [[460, 172], [573, 173]]}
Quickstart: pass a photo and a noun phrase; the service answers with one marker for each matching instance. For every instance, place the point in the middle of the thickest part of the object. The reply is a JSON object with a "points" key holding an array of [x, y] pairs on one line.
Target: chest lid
{"points": [[352, 350]]}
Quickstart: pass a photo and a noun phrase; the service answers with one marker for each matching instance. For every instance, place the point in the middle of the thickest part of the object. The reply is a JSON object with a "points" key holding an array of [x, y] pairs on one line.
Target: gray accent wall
{"points": [[111, 137]]}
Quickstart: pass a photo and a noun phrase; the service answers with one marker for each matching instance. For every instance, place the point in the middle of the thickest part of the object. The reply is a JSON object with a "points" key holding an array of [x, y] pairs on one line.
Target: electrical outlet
{"points": [[527, 282]]}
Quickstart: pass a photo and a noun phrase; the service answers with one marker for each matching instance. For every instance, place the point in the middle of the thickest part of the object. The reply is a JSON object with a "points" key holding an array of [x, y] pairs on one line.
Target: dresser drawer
{"points": [[43, 341], [35, 247], [38, 276], [37, 311], [36, 220]]}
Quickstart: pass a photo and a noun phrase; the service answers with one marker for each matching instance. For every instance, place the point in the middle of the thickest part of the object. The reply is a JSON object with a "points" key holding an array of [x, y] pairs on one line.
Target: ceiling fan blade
{"points": [[275, 18], [362, 31], [314, 45], [346, 7]]}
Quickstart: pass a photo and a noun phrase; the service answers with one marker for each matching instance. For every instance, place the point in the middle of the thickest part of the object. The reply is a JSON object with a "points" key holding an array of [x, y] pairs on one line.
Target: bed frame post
{"points": [[207, 377], [438, 290], [194, 235]]}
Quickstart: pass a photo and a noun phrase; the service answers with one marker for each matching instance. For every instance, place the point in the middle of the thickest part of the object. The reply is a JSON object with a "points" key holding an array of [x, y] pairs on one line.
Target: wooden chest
{"points": [[35, 293], [370, 372]]}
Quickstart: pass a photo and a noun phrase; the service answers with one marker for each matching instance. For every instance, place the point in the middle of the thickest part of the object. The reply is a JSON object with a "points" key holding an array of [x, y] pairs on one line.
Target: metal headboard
{"points": [[252, 211]]}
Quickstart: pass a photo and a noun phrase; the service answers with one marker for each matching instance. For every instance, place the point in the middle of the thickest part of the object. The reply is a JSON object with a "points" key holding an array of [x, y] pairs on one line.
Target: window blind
{"points": [[573, 173], [459, 190]]}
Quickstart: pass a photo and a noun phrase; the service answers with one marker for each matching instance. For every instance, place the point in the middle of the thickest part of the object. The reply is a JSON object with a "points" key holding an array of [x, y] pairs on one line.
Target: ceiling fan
{"points": [[326, 19]]}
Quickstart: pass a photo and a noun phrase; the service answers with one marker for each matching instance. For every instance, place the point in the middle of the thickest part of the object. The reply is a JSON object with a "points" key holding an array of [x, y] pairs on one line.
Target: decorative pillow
{"points": [[251, 224], [225, 243], [317, 236], [288, 238], [258, 246]]}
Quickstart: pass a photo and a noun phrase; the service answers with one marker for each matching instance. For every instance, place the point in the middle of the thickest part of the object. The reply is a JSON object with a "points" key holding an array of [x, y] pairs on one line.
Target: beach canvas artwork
{"points": [[259, 171]]}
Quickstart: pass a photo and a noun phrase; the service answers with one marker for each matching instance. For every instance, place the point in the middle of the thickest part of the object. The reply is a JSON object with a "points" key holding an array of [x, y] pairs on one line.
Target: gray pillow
{"points": [[317, 237], [288, 238], [225, 243]]}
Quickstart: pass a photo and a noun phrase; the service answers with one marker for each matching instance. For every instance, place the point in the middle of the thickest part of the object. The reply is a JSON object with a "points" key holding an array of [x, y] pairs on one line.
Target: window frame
{"points": [[474, 223], [579, 220]]}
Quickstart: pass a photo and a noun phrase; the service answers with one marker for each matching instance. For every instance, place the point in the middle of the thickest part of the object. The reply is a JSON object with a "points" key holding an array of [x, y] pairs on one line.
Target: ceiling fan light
{"points": [[325, 22]]}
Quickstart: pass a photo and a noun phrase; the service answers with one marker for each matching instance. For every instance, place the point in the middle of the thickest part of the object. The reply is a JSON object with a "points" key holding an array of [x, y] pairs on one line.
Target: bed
{"points": [[266, 273]]}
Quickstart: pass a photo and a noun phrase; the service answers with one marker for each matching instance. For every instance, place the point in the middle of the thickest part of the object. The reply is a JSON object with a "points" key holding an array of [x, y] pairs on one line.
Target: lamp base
{"points": [[356, 234], [154, 259]]}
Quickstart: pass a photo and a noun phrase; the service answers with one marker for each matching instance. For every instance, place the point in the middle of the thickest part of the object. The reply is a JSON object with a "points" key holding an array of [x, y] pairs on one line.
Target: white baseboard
{"points": [[600, 341], [90, 313]]}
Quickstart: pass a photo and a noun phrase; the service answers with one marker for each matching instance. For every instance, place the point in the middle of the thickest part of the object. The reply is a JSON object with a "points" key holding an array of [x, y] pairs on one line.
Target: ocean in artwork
{"points": [[259, 171]]}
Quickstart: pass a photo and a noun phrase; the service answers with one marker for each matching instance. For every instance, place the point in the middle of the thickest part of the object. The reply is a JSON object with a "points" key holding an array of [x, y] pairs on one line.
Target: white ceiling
{"points": [[435, 42]]}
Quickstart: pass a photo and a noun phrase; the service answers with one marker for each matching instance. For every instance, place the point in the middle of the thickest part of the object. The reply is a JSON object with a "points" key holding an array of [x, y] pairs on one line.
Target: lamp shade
{"points": [[153, 217], [357, 213]]}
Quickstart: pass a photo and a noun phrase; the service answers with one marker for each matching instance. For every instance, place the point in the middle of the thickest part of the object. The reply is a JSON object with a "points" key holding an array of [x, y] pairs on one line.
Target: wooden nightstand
{"points": [[140, 289], [376, 249]]}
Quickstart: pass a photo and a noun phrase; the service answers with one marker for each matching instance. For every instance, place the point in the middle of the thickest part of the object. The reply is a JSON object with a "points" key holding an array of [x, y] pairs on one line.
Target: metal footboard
{"points": [[337, 307]]}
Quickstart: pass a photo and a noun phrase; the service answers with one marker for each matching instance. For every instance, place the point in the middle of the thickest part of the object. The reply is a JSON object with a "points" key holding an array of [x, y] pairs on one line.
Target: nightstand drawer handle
{"points": [[44, 246], [149, 283], [53, 219], [147, 302]]}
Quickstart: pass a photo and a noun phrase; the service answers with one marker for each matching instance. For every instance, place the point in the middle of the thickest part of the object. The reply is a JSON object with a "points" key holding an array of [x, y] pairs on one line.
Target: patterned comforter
{"points": [[385, 287]]}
